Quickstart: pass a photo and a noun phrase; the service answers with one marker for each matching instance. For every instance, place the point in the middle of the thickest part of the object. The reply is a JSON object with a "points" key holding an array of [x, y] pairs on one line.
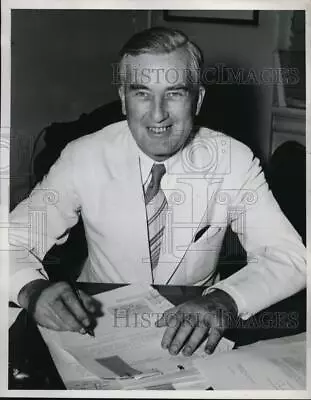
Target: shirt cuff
{"points": [[21, 278], [239, 301]]}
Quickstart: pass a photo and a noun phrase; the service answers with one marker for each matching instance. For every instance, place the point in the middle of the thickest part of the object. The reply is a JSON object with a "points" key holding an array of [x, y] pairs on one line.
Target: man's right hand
{"points": [[55, 306]]}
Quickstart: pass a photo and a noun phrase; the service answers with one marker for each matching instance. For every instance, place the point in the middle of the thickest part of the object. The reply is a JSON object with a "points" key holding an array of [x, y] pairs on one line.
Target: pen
{"points": [[137, 376], [147, 375], [88, 330]]}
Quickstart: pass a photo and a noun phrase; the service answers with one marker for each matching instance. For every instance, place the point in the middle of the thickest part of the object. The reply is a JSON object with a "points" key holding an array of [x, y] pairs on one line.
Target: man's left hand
{"points": [[189, 324]]}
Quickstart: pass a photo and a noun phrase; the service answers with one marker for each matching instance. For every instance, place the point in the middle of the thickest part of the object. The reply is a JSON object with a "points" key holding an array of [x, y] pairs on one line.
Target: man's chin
{"points": [[162, 155]]}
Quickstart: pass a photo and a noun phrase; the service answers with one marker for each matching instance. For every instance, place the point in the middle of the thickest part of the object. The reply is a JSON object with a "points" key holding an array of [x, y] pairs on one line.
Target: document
{"points": [[270, 364], [126, 351]]}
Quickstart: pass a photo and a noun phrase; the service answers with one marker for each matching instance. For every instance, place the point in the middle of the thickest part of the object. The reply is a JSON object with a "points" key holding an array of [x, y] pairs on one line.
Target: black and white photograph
{"points": [[155, 168]]}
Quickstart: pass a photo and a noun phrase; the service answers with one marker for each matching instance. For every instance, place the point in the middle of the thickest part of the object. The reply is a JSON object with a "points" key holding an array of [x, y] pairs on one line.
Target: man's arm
{"points": [[36, 224], [276, 256], [55, 306], [276, 266]]}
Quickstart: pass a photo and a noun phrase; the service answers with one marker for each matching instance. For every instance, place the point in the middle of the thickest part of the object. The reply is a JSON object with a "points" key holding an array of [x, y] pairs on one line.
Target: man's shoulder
{"points": [[110, 136], [210, 137], [220, 149]]}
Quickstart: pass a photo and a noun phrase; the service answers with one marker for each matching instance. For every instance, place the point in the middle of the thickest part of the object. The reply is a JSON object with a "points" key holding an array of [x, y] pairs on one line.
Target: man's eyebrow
{"points": [[178, 87], [136, 86]]}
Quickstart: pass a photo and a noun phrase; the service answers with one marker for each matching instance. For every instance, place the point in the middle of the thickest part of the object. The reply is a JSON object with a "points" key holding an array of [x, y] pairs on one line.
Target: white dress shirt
{"points": [[101, 176]]}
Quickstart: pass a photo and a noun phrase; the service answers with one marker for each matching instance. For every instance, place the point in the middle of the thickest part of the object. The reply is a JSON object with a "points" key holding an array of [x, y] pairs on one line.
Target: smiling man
{"points": [[160, 100], [156, 195]]}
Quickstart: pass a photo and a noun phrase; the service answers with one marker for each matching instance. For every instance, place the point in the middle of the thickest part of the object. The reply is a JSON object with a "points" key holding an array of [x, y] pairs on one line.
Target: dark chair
{"points": [[287, 179], [286, 175]]}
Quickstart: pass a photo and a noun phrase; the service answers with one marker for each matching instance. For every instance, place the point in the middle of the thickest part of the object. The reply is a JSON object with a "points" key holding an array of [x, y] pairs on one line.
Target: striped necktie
{"points": [[156, 205]]}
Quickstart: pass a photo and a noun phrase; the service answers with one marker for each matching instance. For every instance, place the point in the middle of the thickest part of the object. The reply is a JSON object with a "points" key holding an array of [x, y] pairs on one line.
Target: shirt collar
{"points": [[146, 164]]}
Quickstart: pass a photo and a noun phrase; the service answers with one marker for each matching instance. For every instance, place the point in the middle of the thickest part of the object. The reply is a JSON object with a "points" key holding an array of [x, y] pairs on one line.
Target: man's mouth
{"points": [[160, 129]]}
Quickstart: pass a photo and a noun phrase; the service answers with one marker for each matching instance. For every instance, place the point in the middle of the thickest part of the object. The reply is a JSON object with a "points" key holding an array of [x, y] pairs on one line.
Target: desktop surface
{"points": [[31, 366]]}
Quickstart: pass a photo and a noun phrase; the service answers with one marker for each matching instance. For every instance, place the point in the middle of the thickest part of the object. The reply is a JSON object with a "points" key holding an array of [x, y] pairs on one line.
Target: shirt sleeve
{"points": [[42, 220], [276, 256]]}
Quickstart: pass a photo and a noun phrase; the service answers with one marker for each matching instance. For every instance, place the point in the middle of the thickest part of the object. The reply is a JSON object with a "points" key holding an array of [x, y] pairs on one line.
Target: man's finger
{"points": [[182, 334], [50, 316], [66, 319], [76, 309], [88, 302], [194, 340], [50, 324], [163, 321], [173, 323], [214, 337]]}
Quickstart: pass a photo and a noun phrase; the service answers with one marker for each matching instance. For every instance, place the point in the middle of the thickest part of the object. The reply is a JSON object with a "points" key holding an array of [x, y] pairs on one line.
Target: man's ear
{"points": [[200, 99], [122, 98]]}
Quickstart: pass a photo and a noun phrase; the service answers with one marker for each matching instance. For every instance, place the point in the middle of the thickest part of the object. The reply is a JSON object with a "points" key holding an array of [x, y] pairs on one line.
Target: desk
{"points": [[28, 352]]}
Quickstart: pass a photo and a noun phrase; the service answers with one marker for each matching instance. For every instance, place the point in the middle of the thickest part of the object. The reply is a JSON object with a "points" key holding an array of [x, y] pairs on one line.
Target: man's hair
{"points": [[161, 40]]}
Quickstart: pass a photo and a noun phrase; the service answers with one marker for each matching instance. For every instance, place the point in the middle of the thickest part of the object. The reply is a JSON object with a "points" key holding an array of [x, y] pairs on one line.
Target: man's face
{"points": [[159, 102]]}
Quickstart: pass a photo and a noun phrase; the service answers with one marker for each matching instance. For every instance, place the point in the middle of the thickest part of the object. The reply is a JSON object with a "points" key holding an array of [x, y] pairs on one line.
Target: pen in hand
{"points": [[88, 330]]}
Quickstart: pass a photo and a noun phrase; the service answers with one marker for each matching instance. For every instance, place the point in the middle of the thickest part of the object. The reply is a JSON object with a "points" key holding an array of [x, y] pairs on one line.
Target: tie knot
{"points": [[157, 171]]}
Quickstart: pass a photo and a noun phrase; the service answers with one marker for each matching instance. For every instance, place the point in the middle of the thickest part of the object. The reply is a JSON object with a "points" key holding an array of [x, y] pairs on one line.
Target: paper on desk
{"points": [[73, 374], [76, 377], [272, 364], [126, 343]]}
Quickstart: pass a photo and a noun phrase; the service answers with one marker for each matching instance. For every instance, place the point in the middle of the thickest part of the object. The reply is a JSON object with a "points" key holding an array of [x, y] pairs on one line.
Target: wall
{"points": [[244, 111], [61, 68]]}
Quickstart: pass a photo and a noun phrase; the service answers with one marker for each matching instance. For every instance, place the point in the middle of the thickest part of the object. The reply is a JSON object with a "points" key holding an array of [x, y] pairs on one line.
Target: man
{"points": [[156, 195]]}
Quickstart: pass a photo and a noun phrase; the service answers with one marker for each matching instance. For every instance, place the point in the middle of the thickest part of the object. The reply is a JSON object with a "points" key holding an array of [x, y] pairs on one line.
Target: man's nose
{"points": [[159, 111]]}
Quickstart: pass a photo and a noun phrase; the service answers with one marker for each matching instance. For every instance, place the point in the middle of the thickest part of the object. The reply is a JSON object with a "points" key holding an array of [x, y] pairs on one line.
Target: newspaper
{"points": [[126, 350], [277, 364]]}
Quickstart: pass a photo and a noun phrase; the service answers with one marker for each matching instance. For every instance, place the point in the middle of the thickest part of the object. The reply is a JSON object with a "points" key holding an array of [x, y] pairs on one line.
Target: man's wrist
{"points": [[30, 293], [225, 299]]}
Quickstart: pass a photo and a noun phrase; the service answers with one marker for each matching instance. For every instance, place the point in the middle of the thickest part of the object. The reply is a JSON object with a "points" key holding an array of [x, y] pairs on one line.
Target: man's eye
{"points": [[175, 94], [142, 94]]}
